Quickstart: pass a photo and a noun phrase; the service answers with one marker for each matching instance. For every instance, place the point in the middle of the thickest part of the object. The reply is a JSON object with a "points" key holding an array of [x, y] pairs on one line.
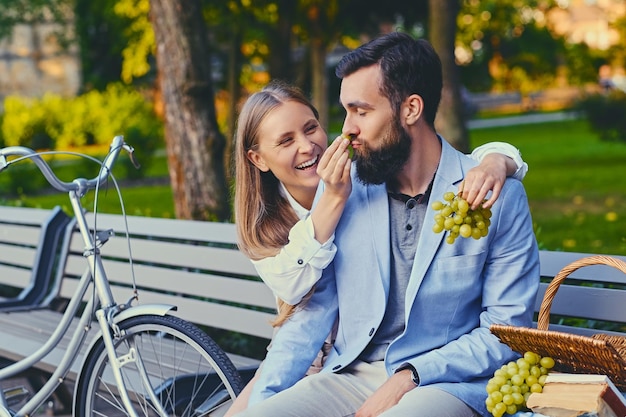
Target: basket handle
{"points": [[544, 311]]}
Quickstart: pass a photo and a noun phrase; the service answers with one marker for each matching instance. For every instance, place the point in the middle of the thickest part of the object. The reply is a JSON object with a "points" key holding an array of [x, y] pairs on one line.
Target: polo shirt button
{"points": [[409, 227], [371, 332], [300, 261]]}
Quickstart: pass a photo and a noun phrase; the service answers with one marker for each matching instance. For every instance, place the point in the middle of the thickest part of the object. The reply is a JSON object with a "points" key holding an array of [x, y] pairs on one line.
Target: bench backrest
{"points": [[594, 294], [194, 265], [29, 250]]}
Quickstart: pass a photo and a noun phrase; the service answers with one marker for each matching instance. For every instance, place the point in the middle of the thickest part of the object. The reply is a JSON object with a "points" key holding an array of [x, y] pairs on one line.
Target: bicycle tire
{"points": [[189, 373]]}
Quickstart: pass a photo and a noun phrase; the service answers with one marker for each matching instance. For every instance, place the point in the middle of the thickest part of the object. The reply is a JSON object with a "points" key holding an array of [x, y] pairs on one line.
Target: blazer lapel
{"points": [[379, 226], [429, 242]]}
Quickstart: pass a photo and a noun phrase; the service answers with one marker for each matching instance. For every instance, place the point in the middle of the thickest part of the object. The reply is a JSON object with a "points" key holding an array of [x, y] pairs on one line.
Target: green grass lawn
{"points": [[576, 187], [576, 184]]}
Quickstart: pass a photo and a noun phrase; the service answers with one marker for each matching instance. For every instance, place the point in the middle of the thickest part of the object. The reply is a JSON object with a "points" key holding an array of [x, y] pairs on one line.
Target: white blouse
{"points": [[298, 266]]}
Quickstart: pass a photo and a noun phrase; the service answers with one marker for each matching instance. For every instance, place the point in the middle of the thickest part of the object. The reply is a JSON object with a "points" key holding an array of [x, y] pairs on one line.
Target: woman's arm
{"points": [[298, 266], [498, 160]]}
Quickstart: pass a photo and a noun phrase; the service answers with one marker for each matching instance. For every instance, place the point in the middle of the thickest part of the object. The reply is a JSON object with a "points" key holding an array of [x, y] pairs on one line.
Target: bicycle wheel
{"points": [[188, 374]]}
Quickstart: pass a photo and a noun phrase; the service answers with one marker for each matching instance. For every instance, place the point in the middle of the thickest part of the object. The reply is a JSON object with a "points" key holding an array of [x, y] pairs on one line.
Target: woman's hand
{"points": [[334, 168], [489, 175]]}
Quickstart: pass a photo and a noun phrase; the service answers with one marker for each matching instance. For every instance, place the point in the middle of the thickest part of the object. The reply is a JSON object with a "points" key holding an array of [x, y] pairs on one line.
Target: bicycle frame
{"points": [[101, 303]]}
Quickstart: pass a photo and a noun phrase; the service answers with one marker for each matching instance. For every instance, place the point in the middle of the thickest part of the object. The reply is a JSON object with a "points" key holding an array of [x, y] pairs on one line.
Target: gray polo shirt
{"points": [[406, 216]]}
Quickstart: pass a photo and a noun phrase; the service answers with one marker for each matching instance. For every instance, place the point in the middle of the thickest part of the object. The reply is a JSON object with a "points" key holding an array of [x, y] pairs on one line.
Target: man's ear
{"points": [[257, 160], [412, 109]]}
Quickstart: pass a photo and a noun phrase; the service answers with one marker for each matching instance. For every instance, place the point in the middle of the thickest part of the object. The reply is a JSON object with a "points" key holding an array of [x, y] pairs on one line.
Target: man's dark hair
{"points": [[408, 66]]}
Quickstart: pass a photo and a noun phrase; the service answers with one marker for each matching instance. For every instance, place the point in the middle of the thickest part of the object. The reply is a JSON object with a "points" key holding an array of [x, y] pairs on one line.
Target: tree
{"points": [[195, 146], [450, 120]]}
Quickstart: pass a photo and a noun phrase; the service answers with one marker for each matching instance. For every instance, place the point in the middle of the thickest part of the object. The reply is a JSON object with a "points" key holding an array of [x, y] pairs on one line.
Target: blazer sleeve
{"points": [[298, 341]]}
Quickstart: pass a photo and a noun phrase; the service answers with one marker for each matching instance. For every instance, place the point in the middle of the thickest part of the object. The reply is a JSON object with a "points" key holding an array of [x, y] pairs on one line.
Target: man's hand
{"points": [[489, 175], [387, 395]]}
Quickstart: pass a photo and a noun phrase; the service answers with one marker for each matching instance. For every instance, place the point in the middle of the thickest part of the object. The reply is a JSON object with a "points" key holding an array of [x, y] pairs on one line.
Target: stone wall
{"points": [[33, 63]]}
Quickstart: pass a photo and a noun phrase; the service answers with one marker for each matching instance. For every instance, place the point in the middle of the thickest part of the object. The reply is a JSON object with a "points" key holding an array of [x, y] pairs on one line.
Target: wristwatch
{"points": [[414, 375]]}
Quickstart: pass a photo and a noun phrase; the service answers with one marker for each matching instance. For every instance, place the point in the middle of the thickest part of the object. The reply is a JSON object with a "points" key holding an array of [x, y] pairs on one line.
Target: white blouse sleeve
{"points": [[505, 149], [298, 266]]}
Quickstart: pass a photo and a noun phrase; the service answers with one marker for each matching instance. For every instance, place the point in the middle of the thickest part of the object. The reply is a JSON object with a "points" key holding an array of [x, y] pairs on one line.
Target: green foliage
{"points": [[54, 122], [101, 35], [582, 63], [505, 45], [141, 44], [605, 113], [90, 119]]}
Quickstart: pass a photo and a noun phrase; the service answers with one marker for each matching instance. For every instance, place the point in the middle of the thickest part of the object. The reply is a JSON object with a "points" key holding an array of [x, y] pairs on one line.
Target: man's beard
{"points": [[382, 165]]}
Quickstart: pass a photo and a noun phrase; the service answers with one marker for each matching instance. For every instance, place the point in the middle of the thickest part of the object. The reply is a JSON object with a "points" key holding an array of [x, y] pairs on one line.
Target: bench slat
{"points": [[221, 316], [19, 234], [175, 254], [152, 278], [552, 263], [17, 255], [13, 276], [586, 302], [166, 228], [21, 215]]}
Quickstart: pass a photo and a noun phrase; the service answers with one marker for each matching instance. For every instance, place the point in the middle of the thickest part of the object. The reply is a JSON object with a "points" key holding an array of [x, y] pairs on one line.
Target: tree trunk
{"points": [[195, 147], [450, 122], [319, 80], [280, 61], [234, 87]]}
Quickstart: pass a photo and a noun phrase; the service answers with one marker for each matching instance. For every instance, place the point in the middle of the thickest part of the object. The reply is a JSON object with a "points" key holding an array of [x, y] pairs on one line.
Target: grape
{"points": [[455, 216], [511, 384]]}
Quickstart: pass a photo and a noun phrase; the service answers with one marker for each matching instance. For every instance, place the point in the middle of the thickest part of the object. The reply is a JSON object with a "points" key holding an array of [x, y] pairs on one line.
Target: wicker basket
{"points": [[598, 354]]}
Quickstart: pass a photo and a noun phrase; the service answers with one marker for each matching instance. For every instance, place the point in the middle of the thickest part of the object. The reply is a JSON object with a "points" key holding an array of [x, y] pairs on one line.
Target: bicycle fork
{"points": [[118, 362]]}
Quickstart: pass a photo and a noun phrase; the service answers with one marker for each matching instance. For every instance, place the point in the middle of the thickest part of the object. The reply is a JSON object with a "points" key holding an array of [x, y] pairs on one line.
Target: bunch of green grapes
{"points": [[455, 215], [511, 385]]}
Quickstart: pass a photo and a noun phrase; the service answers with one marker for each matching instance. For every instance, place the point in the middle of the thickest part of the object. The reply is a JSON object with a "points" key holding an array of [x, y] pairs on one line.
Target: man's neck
{"points": [[419, 170]]}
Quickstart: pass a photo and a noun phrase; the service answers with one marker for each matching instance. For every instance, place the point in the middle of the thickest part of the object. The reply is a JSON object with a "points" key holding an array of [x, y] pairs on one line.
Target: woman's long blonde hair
{"points": [[263, 216]]}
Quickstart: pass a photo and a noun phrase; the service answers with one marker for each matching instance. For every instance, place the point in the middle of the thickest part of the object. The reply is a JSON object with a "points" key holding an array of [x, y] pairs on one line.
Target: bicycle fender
{"points": [[144, 309], [139, 310]]}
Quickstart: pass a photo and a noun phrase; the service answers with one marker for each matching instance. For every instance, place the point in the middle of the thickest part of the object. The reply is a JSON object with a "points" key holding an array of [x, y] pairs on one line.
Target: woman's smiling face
{"points": [[290, 144]]}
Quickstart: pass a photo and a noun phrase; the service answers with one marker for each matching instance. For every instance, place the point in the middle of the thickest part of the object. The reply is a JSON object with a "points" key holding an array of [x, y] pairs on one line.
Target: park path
{"points": [[522, 119]]}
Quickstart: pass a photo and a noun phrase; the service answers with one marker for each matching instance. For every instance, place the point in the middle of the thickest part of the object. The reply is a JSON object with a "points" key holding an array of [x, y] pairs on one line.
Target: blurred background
{"points": [[545, 75]]}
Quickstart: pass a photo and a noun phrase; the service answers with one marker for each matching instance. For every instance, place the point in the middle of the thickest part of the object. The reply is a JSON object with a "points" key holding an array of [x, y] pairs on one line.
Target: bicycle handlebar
{"points": [[79, 185]]}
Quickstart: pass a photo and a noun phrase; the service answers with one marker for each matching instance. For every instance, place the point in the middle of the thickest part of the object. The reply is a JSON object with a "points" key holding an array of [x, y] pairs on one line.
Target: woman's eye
{"points": [[285, 141], [311, 129]]}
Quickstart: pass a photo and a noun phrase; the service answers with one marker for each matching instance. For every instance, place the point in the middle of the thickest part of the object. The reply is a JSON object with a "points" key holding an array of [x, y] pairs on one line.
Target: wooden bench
{"points": [[197, 267]]}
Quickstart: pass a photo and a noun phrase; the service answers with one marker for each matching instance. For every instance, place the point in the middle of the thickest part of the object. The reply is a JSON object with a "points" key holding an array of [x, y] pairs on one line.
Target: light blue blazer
{"points": [[454, 294]]}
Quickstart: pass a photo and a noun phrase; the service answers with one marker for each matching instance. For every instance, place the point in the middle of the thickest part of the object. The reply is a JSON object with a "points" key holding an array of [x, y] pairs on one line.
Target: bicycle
{"points": [[144, 361]]}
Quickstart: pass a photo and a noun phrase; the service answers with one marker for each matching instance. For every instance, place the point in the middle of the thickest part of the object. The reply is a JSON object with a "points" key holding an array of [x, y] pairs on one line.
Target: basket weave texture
{"points": [[599, 354]]}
